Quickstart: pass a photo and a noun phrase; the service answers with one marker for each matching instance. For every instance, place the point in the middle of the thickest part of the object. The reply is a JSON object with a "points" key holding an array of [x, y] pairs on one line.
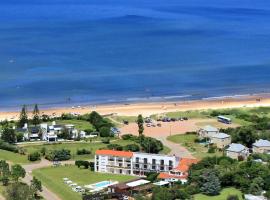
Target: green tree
{"points": [[23, 116], [105, 132], [4, 172], [140, 123], [36, 186], [36, 116], [210, 184], [256, 186], [17, 171], [19, 191], [8, 135], [161, 193], [151, 145]]}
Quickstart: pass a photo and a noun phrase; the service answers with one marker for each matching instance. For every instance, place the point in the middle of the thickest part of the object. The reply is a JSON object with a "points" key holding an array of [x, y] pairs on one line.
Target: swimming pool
{"points": [[102, 184]]}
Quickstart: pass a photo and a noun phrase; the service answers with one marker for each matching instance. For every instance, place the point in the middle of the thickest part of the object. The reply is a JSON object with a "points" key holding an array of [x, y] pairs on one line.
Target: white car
{"points": [[68, 182], [73, 185]]}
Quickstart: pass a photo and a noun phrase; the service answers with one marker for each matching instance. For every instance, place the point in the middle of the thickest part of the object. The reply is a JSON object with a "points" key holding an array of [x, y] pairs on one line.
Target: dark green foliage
{"points": [[36, 118], [4, 172], [36, 186], [99, 122], [58, 155], [83, 163], [152, 176], [210, 183], [19, 137], [256, 186], [17, 171], [19, 191], [8, 147], [132, 147], [151, 145], [34, 156], [83, 152], [115, 147], [9, 135], [140, 123], [23, 117], [211, 149], [232, 197], [45, 118], [161, 193], [105, 132]]}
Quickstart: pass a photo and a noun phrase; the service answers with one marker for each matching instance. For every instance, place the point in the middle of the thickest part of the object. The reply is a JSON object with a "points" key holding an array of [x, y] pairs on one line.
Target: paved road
{"points": [[46, 193]]}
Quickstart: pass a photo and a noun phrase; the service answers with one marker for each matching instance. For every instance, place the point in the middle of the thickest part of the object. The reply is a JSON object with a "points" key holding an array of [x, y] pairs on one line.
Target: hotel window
{"points": [[162, 165], [170, 165], [137, 160], [145, 163]]}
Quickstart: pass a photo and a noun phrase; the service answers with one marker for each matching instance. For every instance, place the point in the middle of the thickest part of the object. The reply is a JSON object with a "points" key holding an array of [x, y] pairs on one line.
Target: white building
{"points": [[136, 163]]}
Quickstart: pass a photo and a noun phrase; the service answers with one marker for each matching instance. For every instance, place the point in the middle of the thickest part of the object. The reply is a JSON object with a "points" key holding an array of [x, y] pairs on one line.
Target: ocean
{"points": [[71, 52]]}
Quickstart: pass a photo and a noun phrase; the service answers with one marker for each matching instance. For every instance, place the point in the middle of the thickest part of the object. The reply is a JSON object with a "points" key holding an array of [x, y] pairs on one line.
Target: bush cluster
{"points": [[83, 152]]}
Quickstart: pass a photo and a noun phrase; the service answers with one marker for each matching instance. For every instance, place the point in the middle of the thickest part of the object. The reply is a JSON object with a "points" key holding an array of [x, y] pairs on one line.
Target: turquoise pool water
{"points": [[102, 184]]}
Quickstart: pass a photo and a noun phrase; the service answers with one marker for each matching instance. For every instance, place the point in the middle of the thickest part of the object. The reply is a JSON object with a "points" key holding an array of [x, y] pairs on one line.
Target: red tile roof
{"points": [[185, 164], [167, 176], [127, 154]]}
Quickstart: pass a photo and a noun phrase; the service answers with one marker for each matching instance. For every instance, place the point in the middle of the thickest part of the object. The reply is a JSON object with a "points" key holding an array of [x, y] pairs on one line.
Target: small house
{"points": [[221, 140], [236, 151], [207, 131], [261, 146]]}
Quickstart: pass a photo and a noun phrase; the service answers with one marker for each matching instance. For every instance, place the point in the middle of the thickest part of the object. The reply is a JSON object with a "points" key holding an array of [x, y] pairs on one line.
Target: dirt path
{"points": [[46, 193]]}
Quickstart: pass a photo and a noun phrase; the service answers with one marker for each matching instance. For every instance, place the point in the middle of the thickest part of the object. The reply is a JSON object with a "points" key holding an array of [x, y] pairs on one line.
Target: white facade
{"points": [[134, 163]]}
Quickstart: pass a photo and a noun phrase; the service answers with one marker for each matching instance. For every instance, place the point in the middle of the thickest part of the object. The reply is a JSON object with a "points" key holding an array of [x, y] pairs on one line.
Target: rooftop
{"points": [[185, 163], [221, 135], [209, 128], [137, 183], [165, 175], [262, 143], [236, 147], [127, 154]]}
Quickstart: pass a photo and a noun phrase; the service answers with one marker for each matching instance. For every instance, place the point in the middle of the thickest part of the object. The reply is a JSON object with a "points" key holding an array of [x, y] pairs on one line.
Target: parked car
{"points": [[159, 124], [185, 118], [148, 125]]}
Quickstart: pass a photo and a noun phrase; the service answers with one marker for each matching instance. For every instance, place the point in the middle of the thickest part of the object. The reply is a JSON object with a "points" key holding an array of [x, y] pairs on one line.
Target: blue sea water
{"points": [[105, 51]]}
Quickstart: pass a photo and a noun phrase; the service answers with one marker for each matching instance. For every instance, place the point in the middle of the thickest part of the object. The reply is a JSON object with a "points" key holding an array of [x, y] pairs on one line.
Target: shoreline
{"points": [[150, 108]]}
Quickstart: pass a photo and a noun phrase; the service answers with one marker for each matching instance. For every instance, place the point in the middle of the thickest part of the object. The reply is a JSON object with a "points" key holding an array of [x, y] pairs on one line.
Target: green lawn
{"points": [[53, 179], [197, 150], [13, 157], [73, 147], [79, 124], [223, 195]]}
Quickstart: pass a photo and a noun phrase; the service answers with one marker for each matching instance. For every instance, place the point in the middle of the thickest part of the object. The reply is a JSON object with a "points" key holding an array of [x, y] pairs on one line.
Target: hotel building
{"points": [[137, 163]]}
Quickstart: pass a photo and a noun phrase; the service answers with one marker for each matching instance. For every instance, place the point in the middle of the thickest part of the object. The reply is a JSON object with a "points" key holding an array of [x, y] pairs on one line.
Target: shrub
{"points": [[132, 147], [83, 152], [8, 147], [232, 197], [106, 140], [105, 132], [128, 137], [211, 150], [115, 147], [83, 163], [34, 156], [63, 154]]}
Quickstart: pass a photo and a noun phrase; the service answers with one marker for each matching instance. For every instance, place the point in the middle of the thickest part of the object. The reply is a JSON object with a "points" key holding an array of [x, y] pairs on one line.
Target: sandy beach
{"points": [[147, 109]]}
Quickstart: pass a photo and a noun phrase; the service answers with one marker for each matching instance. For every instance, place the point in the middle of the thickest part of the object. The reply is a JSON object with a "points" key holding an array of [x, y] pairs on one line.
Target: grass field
{"points": [[79, 124], [13, 157], [73, 147], [197, 150], [53, 179], [223, 195]]}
